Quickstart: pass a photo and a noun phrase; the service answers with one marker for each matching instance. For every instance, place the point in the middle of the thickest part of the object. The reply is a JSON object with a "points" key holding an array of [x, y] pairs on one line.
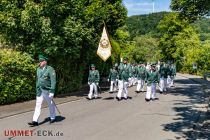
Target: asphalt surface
{"points": [[171, 117]]}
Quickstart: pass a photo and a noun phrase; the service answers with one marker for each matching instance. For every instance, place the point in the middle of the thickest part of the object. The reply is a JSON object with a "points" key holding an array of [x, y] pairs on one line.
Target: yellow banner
{"points": [[104, 48]]}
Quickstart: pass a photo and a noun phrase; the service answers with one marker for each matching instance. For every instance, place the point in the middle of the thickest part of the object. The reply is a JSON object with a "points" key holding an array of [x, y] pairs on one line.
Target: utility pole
{"points": [[153, 6]]}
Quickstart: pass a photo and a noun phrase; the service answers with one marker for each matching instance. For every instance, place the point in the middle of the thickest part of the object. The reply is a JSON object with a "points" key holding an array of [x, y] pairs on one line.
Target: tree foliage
{"points": [[191, 9], [146, 49], [17, 76], [67, 31], [144, 24], [202, 28]]}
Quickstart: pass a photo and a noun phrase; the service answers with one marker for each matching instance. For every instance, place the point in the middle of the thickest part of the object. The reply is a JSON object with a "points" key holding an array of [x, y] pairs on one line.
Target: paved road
{"points": [[169, 118]]}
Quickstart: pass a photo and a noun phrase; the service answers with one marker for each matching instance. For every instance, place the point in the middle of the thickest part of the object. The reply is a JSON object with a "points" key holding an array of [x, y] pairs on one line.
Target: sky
{"points": [[139, 7]]}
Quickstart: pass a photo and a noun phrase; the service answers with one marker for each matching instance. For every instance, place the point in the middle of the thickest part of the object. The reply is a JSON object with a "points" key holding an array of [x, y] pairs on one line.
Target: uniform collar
{"points": [[44, 67]]}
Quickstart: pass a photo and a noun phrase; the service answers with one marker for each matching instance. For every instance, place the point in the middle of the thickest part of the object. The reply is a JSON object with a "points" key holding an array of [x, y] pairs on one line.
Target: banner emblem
{"points": [[104, 48]]}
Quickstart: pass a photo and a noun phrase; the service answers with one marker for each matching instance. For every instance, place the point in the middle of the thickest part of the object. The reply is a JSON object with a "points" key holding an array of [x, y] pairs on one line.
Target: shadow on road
{"points": [[104, 86], [187, 113], [47, 120]]}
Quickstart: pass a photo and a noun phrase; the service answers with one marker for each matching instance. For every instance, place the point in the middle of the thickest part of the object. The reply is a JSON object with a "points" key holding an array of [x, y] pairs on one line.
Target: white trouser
{"points": [[151, 91], [163, 84], [140, 85], [123, 89], [129, 82], [113, 86], [39, 100], [93, 88], [135, 80], [169, 81], [172, 80]]}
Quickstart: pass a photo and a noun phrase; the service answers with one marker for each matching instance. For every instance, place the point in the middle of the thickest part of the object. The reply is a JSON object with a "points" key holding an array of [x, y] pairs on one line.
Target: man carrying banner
{"points": [[124, 70], [93, 81]]}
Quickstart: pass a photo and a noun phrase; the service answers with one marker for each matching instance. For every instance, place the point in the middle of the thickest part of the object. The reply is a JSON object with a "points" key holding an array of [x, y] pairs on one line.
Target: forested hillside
{"points": [[148, 24], [144, 24], [169, 36]]}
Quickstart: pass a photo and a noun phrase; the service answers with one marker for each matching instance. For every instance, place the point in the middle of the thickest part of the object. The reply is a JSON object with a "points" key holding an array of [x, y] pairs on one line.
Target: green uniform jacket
{"points": [[141, 73], [152, 77], [132, 72], [93, 76], [46, 80], [124, 72], [164, 71], [173, 69], [113, 75]]}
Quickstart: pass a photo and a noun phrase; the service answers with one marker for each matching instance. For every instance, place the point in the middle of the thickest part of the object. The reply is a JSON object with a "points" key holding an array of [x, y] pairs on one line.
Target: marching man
{"points": [[152, 79], [93, 81], [173, 74], [163, 71], [45, 89], [113, 77], [124, 70], [141, 75]]}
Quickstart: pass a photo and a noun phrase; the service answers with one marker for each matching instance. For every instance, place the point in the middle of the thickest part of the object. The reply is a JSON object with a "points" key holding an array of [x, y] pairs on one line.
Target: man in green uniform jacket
{"points": [[172, 74], [124, 70], [45, 89], [151, 78], [113, 77], [163, 72], [141, 75], [93, 81]]}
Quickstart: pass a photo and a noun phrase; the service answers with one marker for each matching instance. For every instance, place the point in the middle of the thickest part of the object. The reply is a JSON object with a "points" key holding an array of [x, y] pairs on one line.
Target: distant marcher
{"points": [[173, 74], [124, 70], [152, 79], [45, 89], [141, 75], [93, 81], [163, 72], [113, 77]]}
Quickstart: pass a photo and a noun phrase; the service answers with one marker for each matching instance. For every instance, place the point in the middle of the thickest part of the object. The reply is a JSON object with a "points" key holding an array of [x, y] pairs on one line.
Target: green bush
{"points": [[17, 77]]}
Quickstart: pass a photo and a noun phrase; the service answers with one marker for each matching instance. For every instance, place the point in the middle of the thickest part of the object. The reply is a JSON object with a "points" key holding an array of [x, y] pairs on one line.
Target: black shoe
{"points": [[161, 92], [33, 123], [88, 98], [118, 99], [147, 100], [52, 121], [125, 98], [110, 91]]}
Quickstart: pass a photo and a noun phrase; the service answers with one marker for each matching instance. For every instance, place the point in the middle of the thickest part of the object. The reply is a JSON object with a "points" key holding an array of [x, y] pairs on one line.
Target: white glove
{"points": [[88, 83], [107, 80], [51, 95], [97, 84]]}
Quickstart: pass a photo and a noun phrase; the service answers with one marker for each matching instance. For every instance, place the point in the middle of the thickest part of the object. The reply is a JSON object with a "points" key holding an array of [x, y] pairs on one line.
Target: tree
{"points": [[67, 31], [146, 49], [177, 37], [144, 24], [192, 9]]}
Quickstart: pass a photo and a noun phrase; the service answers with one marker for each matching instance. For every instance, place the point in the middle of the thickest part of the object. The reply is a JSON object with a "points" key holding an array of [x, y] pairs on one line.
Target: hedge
{"points": [[17, 76]]}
